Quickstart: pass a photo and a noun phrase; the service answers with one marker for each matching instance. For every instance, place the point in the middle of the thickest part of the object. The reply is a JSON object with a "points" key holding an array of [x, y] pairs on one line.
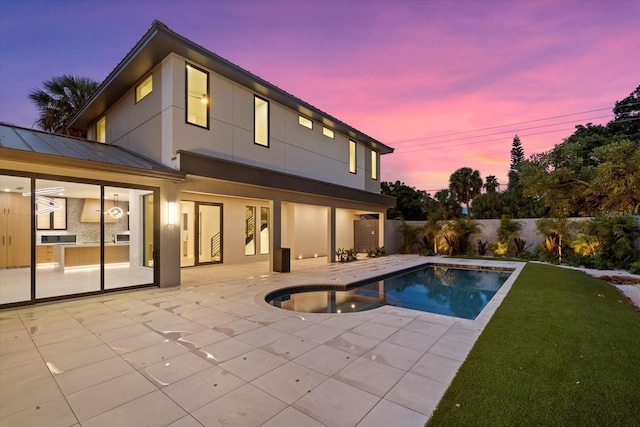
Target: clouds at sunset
{"points": [[404, 72]]}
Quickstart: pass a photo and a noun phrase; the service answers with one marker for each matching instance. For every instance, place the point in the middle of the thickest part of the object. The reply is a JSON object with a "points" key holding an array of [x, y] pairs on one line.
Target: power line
{"points": [[422, 147], [503, 132], [516, 123]]}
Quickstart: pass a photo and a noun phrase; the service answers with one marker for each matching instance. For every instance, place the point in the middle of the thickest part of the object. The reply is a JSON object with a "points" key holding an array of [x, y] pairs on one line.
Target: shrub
{"points": [[634, 268], [375, 252], [482, 247], [346, 255]]}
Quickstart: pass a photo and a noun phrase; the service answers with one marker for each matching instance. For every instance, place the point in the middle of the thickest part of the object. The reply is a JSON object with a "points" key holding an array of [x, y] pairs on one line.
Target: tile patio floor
{"points": [[213, 353]]}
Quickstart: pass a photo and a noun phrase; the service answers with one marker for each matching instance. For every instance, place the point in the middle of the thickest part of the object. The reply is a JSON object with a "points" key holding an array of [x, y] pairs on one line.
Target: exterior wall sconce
{"points": [[171, 213]]}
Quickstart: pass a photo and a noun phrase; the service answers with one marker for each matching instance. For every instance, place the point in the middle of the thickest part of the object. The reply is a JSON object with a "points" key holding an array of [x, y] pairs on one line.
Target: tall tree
{"points": [[491, 184], [61, 98], [627, 116], [466, 184], [411, 204], [517, 157]]}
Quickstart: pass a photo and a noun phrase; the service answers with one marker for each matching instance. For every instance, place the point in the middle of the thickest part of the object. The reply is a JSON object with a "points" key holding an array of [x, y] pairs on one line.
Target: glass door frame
{"points": [[33, 223], [196, 241]]}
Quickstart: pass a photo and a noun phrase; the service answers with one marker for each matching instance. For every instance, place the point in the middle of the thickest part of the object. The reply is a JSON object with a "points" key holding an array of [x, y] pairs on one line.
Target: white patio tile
{"points": [[326, 360], [29, 395], [289, 382], [121, 332], [337, 404], [19, 358], [319, 333], [237, 327], [153, 409], [187, 421], [151, 355], [394, 355], [412, 340], [253, 364], [245, 406], [426, 328], [23, 374], [175, 369], [352, 343], [393, 320], [290, 324], [451, 349], [261, 336], [386, 414], [417, 393], [291, 417], [436, 367], [203, 388], [224, 350], [136, 342], [370, 376], [290, 346], [102, 397], [90, 375], [202, 338], [375, 330], [54, 413], [78, 358]]}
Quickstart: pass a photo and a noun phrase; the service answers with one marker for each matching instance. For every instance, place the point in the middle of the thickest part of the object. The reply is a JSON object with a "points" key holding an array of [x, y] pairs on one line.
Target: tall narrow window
{"points": [[264, 231], [374, 165], [352, 156], [197, 101], [249, 230], [144, 88], [261, 122], [101, 130]]}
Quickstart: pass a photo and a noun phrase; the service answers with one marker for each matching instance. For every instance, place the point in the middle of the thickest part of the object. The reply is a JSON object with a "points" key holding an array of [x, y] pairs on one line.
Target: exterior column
{"points": [[169, 237], [276, 229], [331, 238]]}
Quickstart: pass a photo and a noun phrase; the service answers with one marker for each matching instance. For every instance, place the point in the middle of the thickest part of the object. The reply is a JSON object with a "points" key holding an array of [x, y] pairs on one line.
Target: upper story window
{"points": [[144, 88], [303, 121], [352, 156], [261, 121], [328, 133], [197, 96], [374, 165], [101, 130]]}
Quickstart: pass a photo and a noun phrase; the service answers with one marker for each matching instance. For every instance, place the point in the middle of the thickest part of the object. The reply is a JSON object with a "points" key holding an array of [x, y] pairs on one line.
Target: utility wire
{"points": [[402, 151], [516, 123]]}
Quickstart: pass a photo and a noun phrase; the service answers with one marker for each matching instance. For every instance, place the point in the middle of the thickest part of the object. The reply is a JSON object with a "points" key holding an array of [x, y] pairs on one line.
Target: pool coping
{"points": [[484, 316]]}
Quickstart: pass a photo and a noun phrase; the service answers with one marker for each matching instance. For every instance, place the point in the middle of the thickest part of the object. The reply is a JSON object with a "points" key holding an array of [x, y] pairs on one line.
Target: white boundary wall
{"points": [[488, 232]]}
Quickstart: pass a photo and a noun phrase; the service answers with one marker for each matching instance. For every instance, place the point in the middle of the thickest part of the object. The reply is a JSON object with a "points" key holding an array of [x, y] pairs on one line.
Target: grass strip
{"points": [[563, 349]]}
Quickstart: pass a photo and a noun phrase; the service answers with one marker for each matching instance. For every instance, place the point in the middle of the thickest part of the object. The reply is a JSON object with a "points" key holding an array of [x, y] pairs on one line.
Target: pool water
{"points": [[450, 291]]}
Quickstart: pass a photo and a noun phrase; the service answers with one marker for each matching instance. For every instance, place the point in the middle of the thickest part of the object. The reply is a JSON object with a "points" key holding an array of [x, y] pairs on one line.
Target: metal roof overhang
{"points": [[65, 162], [211, 167], [158, 43]]}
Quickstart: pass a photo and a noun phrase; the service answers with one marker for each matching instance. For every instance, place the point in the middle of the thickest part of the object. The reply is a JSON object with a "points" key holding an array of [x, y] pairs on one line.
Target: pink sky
{"points": [[404, 72]]}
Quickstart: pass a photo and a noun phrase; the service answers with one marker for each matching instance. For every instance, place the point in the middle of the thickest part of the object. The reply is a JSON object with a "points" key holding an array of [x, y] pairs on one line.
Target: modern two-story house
{"points": [[190, 160]]}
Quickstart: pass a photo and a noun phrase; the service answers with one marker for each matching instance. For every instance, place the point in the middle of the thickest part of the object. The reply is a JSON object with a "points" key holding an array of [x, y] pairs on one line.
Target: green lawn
{"points": [[563, 349]]}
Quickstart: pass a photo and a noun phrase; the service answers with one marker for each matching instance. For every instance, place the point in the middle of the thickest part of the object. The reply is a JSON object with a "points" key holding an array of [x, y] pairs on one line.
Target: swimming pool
{"points": [[449, 290]]}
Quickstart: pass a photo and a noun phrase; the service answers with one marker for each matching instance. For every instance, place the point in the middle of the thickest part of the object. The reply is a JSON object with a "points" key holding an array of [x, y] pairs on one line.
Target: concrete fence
{"points": [[488, 232]]}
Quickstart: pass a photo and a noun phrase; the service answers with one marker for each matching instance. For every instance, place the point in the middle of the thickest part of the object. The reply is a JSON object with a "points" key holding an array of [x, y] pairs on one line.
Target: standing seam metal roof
{"points": [[37, 142]]}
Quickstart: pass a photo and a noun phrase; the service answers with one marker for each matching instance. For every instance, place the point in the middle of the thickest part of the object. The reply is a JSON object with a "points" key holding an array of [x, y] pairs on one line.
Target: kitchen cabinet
{"points": [[45, 254], [15, 230], [84, 255], [56, 220], [91, 211]]}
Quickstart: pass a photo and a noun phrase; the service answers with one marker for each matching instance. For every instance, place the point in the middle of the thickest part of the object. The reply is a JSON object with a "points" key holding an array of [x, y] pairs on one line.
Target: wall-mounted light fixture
{"points": [[171, 213]]}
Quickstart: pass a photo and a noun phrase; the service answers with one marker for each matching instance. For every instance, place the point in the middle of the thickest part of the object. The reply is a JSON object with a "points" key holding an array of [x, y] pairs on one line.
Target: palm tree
{"points": [[491, 184], [60, 100], [466, 184]]}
